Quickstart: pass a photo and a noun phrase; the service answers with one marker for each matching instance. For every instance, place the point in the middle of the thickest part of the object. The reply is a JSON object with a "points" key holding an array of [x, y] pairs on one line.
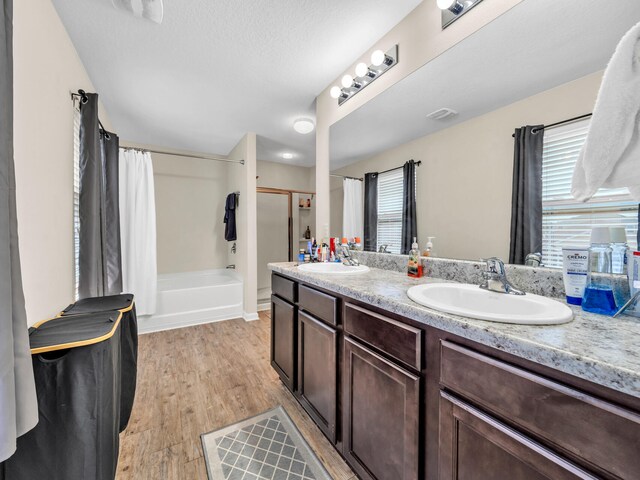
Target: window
{"points": [[76, 196], [390, 193], [566, 222]]}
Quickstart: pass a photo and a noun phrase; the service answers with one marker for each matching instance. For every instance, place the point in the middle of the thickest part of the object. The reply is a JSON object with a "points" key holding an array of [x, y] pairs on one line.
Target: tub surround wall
{"points": [[46, 69], [599, 349]]}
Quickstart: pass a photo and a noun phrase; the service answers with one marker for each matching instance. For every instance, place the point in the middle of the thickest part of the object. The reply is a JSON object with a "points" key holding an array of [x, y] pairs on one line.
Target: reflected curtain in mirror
{"points": [[352, 214], [99, 236], [526, 196], [18, 403], [371, 212], [409, 216]]}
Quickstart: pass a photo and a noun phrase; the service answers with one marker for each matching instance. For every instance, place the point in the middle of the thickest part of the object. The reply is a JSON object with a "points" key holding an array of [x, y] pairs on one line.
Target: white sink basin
{"points": [[333, 268], [473, 302]]}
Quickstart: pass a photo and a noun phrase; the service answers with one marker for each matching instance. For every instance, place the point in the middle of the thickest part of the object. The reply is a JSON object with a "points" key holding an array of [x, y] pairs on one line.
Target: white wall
{"points": [[243, 180], [464, 182], [46, 69]]}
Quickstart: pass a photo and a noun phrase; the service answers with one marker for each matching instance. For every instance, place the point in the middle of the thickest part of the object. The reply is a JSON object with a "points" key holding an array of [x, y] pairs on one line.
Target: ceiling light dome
{"points": [[287, 156], [304, 125]]}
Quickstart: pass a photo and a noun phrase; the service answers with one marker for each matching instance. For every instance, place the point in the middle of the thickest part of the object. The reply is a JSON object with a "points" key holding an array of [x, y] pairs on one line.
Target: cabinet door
{"points": [[283, 340], [473, 445], [381, 416], [317, 372]]}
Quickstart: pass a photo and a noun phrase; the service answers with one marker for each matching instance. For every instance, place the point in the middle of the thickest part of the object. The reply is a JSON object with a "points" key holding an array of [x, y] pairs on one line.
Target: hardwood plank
{"points": [[198, 379]]}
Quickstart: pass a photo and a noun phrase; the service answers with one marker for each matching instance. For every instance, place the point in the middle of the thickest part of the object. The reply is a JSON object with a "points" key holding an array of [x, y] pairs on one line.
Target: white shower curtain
{"points": [[138, 229], [352, 211]]}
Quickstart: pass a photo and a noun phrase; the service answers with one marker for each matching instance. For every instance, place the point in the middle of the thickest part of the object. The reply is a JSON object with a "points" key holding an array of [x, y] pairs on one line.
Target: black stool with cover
{"points": [[129, 342], [77, 367]]}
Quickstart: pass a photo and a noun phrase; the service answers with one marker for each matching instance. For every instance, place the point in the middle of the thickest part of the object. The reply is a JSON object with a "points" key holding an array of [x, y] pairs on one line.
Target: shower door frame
{"points": [[289, 193]]}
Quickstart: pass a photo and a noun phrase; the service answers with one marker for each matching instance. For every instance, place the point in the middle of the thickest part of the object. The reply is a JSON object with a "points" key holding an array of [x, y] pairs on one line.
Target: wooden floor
{"points": [[197, 379]]}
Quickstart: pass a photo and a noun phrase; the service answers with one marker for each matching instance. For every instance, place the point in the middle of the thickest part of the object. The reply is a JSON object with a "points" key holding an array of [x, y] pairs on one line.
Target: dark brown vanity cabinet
{"points": [[380, 415], [283, 330], [475, 446], [317, 372]]}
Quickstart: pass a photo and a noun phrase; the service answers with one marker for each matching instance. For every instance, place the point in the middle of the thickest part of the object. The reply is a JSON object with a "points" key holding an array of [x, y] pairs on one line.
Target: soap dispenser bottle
{"points": [[415, 267], [428, 248], [598, 294]]}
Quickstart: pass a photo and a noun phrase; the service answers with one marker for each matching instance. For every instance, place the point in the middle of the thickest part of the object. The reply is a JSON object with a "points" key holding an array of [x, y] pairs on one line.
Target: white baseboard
{"points": [[249, 317], [264, 306]]}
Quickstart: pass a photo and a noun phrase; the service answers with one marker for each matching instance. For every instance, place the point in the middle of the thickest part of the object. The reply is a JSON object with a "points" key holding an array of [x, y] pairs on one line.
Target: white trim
{"points": [[158, 323], [263, 307], [249, 317]]}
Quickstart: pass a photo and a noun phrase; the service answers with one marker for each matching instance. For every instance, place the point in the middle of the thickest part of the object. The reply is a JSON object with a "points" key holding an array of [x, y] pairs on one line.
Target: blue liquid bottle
{"points": [[598, 295]]}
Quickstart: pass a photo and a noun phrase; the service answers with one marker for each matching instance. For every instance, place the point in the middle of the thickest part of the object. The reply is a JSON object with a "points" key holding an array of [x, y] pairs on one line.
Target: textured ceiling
{"points": [[535, 46], [216, 69]]}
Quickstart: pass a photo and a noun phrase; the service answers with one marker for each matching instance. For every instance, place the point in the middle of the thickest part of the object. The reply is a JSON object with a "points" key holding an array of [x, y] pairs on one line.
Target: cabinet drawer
{"points": [[600, 435], [284, 288], [323, 306], [398, 340]]}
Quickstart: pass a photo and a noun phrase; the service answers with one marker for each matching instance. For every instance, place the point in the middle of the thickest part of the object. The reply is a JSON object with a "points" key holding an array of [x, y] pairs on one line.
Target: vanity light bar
{"points": [[365, 75]]}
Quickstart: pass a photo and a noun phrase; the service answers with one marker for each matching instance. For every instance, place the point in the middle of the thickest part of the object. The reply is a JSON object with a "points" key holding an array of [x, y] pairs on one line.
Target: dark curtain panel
{"points": [[526, 197], [409, 217], [113, 255], [371, 212], [100, 263], [19, 412], [638, 236]]}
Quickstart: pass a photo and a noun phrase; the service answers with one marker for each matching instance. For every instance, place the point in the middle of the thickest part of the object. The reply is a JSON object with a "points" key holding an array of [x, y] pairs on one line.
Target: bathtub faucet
{"points": [[233, 267]]}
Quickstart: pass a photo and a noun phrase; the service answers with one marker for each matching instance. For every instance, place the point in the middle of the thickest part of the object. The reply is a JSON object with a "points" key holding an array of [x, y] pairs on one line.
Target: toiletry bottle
{"points": [[307, 233], [619, 249], [598, 295], [358, 243], [428, 248], [314, 251], [301, 256], [415, 267]]}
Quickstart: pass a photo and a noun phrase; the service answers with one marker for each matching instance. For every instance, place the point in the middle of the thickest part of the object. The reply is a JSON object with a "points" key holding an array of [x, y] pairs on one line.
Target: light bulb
{"points": [[362, 69], [287, 156], [347, 81], [335, 92], [445, 4], [377, 58]]}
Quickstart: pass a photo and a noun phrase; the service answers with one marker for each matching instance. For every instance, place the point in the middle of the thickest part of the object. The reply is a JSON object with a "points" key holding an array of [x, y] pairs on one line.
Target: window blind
{"points": [[566, 222], [390, 195], [76, 197]]}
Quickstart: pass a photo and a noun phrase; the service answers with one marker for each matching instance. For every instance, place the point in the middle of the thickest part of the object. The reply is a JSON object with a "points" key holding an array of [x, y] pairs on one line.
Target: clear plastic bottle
{"points": [[598, 295], [619, 250]]}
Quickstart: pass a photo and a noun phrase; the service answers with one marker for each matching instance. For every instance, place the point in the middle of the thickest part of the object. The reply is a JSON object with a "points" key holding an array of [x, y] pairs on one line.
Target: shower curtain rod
{"points": [[574, 119], [345, 176]]}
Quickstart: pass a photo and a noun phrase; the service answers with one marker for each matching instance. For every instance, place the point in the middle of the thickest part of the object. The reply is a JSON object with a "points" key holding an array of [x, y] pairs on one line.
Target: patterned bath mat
{"points": [[265, 447]]}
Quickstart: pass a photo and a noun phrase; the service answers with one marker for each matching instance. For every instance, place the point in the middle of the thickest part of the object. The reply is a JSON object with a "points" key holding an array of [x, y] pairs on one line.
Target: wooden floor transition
{"points": [[197, 379]]}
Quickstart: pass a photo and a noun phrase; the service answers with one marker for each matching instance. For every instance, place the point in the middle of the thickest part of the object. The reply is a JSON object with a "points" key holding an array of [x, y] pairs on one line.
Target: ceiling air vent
{"points": [[442, 113]]}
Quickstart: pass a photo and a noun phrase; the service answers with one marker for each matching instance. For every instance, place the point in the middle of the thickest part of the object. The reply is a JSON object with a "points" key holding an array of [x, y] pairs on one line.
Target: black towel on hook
{"points": [[230, 218]]}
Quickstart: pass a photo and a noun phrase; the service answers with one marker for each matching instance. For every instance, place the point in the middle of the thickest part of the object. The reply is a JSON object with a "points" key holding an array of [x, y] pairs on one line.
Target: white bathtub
{"points": [[195, 297]]}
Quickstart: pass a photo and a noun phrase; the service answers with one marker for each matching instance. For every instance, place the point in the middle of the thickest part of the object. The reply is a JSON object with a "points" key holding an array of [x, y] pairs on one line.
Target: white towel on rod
{"points": [[610, 156]]}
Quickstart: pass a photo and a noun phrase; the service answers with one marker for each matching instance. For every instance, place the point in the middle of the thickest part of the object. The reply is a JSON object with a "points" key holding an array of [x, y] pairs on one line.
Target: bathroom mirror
{"points": [[539, 63]]}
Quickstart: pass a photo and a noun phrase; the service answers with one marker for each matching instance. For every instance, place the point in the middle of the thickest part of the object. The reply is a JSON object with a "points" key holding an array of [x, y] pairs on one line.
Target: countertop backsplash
{"points": [[547, 282]]}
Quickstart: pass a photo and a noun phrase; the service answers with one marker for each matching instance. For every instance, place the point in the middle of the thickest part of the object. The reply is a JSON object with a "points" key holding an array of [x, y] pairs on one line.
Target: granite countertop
{"points": [[600, 349]]}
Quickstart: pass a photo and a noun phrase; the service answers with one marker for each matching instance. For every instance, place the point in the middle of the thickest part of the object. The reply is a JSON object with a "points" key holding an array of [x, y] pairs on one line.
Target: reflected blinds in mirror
{"points": [[566, 222], [390, 193]]}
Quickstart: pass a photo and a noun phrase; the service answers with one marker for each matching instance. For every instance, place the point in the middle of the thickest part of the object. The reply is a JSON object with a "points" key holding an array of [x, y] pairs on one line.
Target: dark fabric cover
{"points": [[100, 253], [129, 342], [230, 218], [526, 197], [110, 144], [371, 212], [17, 388], [78, 403], [638, 236], [409, 216]]}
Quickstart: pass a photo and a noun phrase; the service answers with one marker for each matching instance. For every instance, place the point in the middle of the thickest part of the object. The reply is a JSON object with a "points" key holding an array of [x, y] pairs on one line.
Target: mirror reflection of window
{"points": [[566, 222]]}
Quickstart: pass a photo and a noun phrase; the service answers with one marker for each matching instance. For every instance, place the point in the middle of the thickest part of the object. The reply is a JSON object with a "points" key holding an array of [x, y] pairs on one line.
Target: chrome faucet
{"points": [[495, 278], [383, 248], [345, 257]]}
